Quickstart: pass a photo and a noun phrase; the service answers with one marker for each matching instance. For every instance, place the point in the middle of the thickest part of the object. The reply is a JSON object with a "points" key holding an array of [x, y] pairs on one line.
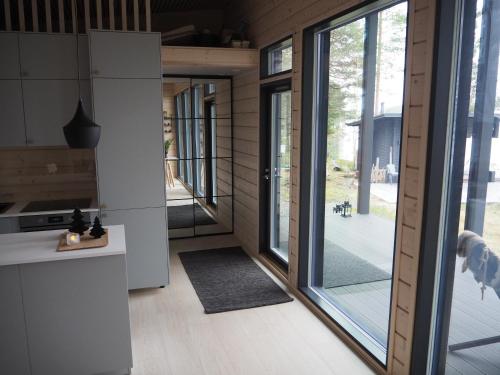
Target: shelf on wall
{"points": [[207, 60]]}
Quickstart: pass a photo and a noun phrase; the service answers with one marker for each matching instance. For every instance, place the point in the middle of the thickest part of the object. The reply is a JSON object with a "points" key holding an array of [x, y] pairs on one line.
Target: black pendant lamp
{"points": [[82, 132]]}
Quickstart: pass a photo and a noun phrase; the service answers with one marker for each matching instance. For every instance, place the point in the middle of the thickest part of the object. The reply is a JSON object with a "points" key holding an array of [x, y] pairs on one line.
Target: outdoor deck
{"points": [[471, 318]]}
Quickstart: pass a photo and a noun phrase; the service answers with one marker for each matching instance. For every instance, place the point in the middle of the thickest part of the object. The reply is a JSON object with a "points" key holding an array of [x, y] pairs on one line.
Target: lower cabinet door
{"points": [[147, 248], [13, 345], [48, 106], [77, 316]]}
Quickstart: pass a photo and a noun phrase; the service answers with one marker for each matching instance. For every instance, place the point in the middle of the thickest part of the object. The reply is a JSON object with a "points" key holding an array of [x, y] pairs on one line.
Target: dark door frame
{"points": [[266, 90]]}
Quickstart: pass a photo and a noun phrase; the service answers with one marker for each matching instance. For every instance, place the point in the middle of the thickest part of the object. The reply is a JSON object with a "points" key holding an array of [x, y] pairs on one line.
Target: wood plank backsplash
{"points": [[47, 173]]}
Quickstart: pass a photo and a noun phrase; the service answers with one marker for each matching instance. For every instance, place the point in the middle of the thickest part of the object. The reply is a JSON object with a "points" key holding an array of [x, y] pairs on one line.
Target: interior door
{"points": [[276, 168]]}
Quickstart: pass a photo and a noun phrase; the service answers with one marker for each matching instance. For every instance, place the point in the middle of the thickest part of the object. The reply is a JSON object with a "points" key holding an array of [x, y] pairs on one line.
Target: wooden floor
{"points": [[172, 335]]}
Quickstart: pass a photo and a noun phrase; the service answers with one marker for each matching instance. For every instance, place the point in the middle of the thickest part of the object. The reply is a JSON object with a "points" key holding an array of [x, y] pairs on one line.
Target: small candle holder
{"points": [[72, 238]]}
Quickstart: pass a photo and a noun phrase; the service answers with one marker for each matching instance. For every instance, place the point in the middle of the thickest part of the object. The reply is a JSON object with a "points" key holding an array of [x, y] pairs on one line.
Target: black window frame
{"points": [[264, 58]]}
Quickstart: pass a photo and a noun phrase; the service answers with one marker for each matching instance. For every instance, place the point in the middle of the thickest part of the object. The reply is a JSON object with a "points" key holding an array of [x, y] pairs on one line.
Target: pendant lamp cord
{"points": [[76, 31]]}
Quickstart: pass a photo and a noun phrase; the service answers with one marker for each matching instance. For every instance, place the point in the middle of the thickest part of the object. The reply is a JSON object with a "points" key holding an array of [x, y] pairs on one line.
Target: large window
{"points": [[348, 217], [464, 205]]}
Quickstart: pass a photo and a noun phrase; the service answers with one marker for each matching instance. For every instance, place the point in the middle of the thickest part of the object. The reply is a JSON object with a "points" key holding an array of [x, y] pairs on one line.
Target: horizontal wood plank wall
{"points": [[246, 159], [224, 210], [41, 174], [271, 20]]}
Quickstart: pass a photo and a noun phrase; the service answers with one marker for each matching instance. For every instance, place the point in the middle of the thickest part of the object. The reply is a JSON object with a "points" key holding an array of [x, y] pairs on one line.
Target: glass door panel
{"points": [[281, 128]]}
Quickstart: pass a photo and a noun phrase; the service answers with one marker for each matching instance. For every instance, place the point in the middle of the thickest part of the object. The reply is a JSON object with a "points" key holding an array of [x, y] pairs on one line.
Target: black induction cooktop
{"points": [[57, 205], [5, 206]]}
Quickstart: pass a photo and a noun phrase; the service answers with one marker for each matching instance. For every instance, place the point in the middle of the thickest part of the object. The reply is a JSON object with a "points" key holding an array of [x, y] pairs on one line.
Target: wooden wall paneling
{"points": [[20, 12], [136, 15], [61, 21], [8, 21], [74, 18], [148, 15], [45, 173], [48, 16], [98, 5], [86, 10], [124, 15], [34, 13], [111, 12]]}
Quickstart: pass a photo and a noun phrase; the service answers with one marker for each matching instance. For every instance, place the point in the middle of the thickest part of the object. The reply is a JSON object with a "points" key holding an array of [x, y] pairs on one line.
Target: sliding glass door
{"points": [[353, 157]]}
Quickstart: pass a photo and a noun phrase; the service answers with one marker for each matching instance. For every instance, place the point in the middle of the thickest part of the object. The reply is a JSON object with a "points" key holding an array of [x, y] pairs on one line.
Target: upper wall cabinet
{"points": [[12, 132], [45, 115], [9, 63], [111, 57], [83, 56], [48, 56]]}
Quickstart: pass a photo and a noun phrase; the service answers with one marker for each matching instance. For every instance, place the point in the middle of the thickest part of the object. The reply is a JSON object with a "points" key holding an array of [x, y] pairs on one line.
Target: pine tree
{"points": [[97, 230], [78, 225]]}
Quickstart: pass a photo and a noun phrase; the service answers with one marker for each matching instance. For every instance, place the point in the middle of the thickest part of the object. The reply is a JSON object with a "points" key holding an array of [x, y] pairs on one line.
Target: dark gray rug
{"points": [[187, 216], [228, 279], [342, 268]]}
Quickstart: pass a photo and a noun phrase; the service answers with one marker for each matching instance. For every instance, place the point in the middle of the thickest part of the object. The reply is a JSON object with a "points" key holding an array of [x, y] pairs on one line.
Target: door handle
{"points": [[266, 175]]}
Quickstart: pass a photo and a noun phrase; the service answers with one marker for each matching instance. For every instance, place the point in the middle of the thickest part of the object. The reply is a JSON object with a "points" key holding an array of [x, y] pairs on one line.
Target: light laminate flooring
{"points": [[172, 335]]}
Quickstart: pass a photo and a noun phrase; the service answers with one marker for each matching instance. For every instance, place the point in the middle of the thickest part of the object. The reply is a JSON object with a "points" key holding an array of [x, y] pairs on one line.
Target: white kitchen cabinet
{"points": [[130, 151], [12, 131], [48, 106], [77, 316], [9, 62], [132, 55], [14, 358], [48, 56], [146, 238], [83, 56]]}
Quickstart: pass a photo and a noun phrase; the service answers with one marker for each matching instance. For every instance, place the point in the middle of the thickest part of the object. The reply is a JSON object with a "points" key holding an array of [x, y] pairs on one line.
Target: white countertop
{"points": [[15, 210], [35, 247]]}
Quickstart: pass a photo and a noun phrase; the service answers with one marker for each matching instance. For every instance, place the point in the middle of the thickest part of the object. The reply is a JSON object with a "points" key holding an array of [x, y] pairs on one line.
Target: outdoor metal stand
{"points": [[344, 209]]}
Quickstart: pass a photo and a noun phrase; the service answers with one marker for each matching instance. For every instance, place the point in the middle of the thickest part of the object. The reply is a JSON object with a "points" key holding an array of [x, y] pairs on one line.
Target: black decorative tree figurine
{"points": [[97, 230], [78, 225]]}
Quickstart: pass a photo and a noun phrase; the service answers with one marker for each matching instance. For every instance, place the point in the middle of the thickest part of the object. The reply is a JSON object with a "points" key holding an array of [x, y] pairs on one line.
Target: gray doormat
{"points": [[228, 279], [187, 216], [342, 268]]}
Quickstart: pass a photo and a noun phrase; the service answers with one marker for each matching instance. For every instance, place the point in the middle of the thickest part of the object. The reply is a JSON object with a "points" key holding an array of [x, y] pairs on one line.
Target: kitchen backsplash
{"points": [[28, 174]]}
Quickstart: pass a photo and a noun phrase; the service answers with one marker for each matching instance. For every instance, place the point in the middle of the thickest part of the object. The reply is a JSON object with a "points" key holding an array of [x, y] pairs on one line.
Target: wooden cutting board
{"points": [[86, 242]]}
